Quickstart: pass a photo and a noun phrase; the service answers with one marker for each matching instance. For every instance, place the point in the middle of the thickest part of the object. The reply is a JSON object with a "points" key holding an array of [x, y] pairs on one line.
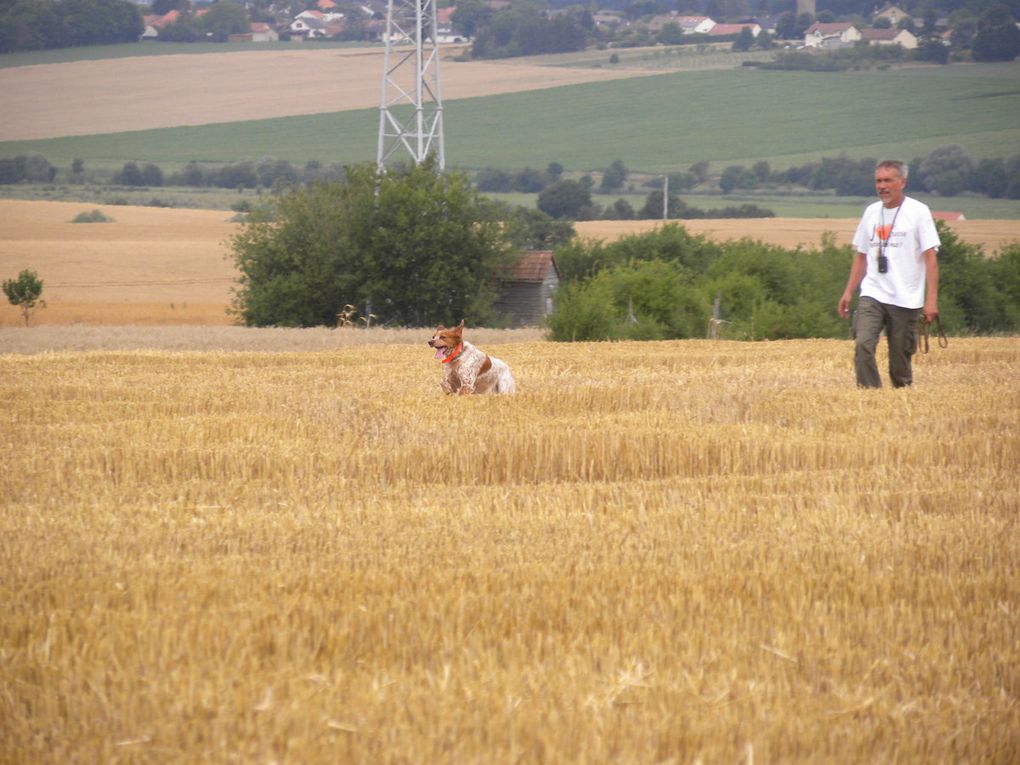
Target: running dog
{"points": [[468, 369]]}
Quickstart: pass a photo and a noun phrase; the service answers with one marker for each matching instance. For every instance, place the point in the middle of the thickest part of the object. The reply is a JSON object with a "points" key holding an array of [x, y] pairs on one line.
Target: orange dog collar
{"points": [[452, 356]]}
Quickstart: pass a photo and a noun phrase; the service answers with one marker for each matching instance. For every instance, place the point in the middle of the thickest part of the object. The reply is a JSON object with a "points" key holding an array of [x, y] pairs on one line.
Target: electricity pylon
{"points": [[411, 109]]}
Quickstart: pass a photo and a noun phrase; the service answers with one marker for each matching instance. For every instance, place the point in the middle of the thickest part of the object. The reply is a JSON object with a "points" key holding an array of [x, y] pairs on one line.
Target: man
{"points": [[897, 271]]}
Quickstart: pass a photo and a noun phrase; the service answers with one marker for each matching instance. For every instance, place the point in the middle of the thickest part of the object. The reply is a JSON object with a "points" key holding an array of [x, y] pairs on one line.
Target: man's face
{"points": [[889, 186]]}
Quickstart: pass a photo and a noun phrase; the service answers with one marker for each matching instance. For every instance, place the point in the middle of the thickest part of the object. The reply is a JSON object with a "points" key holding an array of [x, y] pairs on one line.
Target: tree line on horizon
{"points": [[946, 171]]}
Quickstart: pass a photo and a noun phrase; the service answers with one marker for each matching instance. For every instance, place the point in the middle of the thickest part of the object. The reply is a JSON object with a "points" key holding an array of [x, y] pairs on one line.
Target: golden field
{"points": [[677, 552], [302, 81], [159, 266]]}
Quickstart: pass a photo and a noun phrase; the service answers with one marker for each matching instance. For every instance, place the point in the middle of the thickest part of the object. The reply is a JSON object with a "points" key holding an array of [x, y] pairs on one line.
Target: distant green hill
{"points": [[653, 124]]}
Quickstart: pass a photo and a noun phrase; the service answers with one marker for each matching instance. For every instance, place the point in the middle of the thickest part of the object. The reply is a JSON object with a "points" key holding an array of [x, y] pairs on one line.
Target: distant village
{"points": [[890, 25]]}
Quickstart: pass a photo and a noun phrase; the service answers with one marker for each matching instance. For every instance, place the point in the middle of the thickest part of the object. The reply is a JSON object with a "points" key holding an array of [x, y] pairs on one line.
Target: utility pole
{"points": [[665, 197], [411, 109]]}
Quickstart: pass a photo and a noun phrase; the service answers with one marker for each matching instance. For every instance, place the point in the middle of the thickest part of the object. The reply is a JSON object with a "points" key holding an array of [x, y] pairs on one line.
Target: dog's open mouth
{"points": [[442, 352]]}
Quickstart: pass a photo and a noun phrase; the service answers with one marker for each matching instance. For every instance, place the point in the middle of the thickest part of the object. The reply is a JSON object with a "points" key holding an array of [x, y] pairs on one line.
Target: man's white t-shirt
{"points": [[912, 234]]}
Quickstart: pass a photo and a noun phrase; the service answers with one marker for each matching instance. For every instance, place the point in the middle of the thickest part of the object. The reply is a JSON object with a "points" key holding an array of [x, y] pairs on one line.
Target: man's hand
{"points": [[930, 311], [844, 306]]}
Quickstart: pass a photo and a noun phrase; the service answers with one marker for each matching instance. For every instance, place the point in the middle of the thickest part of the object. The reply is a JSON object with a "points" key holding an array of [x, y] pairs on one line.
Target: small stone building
{"points": [[527, 297]]}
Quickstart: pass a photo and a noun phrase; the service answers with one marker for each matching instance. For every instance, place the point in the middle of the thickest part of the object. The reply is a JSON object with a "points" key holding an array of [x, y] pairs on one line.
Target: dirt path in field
{"points": [[166, 266], [146, 92]]}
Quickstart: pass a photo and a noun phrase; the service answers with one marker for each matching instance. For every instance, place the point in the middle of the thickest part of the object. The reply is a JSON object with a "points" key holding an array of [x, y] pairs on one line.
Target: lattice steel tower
{"points": [[411, 109]]}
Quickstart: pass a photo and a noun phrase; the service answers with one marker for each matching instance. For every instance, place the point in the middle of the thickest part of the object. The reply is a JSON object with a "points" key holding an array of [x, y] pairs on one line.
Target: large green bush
{"points": [[414, 248], [663, 285]]}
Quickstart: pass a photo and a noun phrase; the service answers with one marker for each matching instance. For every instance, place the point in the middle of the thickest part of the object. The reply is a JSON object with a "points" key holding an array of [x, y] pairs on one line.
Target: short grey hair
{"points": [[900, 167]]}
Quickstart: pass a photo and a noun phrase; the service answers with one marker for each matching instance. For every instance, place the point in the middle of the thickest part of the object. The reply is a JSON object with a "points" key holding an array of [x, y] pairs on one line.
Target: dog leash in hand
{"points": [[940, 335]]}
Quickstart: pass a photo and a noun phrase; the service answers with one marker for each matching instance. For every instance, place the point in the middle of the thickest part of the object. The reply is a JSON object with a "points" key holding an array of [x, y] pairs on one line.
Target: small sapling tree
{"points": [[25, 291]]}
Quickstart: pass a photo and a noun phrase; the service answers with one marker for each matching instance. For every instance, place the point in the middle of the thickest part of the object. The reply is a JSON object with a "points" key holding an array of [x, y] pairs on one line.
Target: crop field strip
{"points": [[661, 122], [654, 552]]}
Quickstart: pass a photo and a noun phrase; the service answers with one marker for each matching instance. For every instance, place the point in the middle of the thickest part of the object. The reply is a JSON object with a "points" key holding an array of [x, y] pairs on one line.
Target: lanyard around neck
{"points": [[883, 241]]}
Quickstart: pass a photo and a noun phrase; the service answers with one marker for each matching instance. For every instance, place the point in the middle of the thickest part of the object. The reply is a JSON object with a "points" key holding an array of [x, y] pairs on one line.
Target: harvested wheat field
{"points": [[154, 266], [656, 552], [301, 81], [147, 266], [796, 232]]}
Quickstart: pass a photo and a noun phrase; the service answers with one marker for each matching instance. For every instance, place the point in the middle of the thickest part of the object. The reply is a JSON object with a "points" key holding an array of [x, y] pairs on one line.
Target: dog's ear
{"points": [[440, 328], [460, 327]]}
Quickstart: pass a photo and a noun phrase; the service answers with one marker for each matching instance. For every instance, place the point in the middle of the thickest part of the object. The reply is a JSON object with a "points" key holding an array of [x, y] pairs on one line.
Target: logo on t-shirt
{"points": [[883, 232]]}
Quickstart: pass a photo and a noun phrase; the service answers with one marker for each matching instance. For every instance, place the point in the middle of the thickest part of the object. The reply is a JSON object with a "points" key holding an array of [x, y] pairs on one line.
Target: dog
{"points": [[468, 369]]}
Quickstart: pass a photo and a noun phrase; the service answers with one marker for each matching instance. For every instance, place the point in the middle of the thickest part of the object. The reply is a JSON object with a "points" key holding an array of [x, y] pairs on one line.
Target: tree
{"points": [[236, 176], [152, 175], [130, 175], [185, 29], [990, 177], [163, 7], [274, 173], [997, 38], [682, 181], [418, 246], [566, 199], [786, 26], [933, 51], [670, 34], [613, 177], [652, 209], [27, 25], [95, 22], [1006, 274], [191, 175], [492, 179], [224, 19], [737, 177], [524, 31], [744, 41], [621, 209], [962, 36], [947, 170], [973, 300], [642, 300], [469, 15], [37, 24], [11, 171], [531, 229], [700, 170], [26, 292], [529, 181], [638, 8]]}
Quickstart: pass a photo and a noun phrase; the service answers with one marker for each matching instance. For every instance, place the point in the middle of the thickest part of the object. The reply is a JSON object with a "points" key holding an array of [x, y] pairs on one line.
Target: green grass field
{"points": [[653, 124]]}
